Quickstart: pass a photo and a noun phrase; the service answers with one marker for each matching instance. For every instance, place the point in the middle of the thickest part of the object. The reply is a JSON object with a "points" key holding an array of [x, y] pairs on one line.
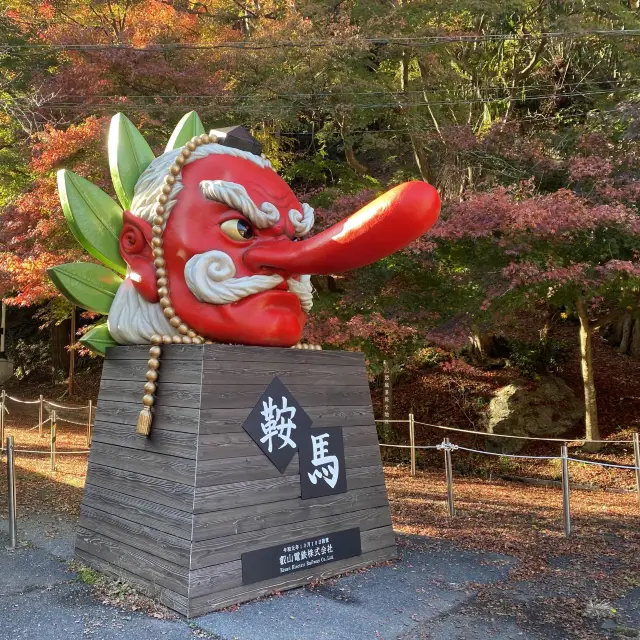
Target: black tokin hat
{"points": [[238, 138]]}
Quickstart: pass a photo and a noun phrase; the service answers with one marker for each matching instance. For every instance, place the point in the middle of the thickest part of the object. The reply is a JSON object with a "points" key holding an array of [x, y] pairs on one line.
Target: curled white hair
{"points": [[235, 196], [151, 181], [302, 222]]}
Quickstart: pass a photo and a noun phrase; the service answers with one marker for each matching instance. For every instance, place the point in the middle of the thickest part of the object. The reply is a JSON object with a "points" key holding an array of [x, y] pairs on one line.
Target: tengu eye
{"points": [[237, 229]]}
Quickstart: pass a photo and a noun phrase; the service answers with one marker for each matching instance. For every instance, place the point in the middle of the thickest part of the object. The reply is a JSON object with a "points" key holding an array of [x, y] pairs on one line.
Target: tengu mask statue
{"points": [[211, 241]]}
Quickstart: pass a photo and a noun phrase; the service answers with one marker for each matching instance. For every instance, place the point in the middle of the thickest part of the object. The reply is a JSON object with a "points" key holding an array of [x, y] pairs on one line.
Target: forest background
{"points": [[522, 113]]}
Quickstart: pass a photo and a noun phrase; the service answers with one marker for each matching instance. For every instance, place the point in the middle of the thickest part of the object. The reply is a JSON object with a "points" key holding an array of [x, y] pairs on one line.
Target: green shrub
{"points": [[543, 356]]}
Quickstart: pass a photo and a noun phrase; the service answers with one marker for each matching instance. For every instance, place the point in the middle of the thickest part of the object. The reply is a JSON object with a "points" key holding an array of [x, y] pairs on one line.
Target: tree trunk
{"points": [[478, 346], [59, 355], [352, 161], [420, 157], [590, 405], [418, 152], [627, 326], [634, 349]]}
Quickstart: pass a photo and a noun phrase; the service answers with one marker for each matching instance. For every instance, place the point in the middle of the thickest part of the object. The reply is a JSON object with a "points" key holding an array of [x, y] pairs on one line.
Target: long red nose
{"points": [[382, 227]]}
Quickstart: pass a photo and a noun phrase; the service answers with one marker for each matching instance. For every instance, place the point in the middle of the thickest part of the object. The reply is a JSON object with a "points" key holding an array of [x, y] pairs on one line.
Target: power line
{"points": [[323, 94], [414, 41], [264, 106]]}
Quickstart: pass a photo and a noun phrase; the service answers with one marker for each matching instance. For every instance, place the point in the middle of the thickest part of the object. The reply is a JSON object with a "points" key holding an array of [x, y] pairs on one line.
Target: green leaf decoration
{"points": [[98, 339], [87, 285], [129, 156], [189, 126], [93, 217]]}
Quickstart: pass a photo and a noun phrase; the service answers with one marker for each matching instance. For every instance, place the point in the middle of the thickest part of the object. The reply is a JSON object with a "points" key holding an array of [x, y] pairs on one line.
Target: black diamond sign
{"points": [[277, 423], [322, 470]]}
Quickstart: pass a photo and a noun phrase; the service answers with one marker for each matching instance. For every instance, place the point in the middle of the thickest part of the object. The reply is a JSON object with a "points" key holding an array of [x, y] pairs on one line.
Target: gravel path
{"points": [[430, 594]]}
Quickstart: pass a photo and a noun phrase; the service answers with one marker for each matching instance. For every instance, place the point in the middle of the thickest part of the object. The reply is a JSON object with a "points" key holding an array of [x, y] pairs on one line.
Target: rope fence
{"points": [[505, 435], [53, 408], [447, 447]]}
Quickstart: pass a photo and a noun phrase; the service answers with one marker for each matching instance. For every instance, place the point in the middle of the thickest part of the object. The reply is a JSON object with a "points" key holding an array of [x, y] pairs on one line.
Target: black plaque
{"points": [[277, 423], [300, 555], [322, 469]]}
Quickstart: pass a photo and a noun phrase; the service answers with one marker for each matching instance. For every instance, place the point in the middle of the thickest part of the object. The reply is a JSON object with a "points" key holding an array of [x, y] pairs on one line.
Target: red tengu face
{"points": [[230, 269], [198, 225]]}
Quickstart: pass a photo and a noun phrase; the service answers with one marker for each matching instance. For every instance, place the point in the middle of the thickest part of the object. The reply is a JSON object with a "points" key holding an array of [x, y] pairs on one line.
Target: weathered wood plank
{"points": [[262, 373], [171, 371], [259, 467], [240, 444], [145, 512], [169, 352], [166, 596], [220, 577], [131, 483], [246, 396], [182, 419], [150, 514], [172, 443], [122, 556], [380, 538], [172, 395], [205, 553], [156, 465], [234, 353], [274, 489], [214, 421], [205, 604], [217, 524], [157, 543]]}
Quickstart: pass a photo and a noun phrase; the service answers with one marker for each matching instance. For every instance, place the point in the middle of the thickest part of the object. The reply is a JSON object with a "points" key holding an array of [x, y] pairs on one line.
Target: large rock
{"points": [[548, 408]]}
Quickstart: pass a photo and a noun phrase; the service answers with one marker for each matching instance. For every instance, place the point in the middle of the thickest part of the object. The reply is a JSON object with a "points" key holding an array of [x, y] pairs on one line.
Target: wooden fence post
{"points": [[448, 468], [566, 508], [412, 439], [53, 439], [3, 406], [636, 457], [41, 415]]}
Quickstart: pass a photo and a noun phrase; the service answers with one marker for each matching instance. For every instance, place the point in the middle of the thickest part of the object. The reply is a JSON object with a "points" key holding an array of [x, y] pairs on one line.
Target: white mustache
{"points": [[210, 277]]}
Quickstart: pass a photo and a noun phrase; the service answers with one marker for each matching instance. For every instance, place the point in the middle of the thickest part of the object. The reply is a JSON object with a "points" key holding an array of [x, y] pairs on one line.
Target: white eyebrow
{"points": [[302, 221], [235, 196]]}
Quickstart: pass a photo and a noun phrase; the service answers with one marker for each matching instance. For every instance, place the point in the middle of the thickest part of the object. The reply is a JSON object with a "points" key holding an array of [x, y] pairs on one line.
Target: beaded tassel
{"points": [[186, 334]]}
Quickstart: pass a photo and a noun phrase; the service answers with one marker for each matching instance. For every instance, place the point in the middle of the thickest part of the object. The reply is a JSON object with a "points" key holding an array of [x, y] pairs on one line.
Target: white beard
{"points": [[209, 276], [133, 320]]}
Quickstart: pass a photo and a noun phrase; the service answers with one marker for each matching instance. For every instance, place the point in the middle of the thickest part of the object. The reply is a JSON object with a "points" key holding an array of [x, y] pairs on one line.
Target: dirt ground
{"points": [[598, 563]]}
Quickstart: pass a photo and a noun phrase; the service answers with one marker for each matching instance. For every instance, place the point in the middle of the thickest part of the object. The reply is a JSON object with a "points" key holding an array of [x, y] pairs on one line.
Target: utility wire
{"points": [[266, 108], [326, 94], [377, 40]]}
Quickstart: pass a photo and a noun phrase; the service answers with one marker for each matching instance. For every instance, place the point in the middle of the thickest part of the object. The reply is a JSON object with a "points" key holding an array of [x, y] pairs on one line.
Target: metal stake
{"points": [[89, 424], [636, 457], [41, 415], [566, 507], [448, 468], [11, 482], [53, 439], [3, 405], [412, 439]]}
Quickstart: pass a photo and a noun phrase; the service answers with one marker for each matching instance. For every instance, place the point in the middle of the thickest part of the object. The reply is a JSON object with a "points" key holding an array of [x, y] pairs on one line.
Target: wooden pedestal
{"points": [[173, 513]]}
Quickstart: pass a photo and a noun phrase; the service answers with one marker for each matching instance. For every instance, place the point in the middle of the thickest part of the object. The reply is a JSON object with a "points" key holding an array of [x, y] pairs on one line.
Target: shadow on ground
{"points": [[436, 591]]}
